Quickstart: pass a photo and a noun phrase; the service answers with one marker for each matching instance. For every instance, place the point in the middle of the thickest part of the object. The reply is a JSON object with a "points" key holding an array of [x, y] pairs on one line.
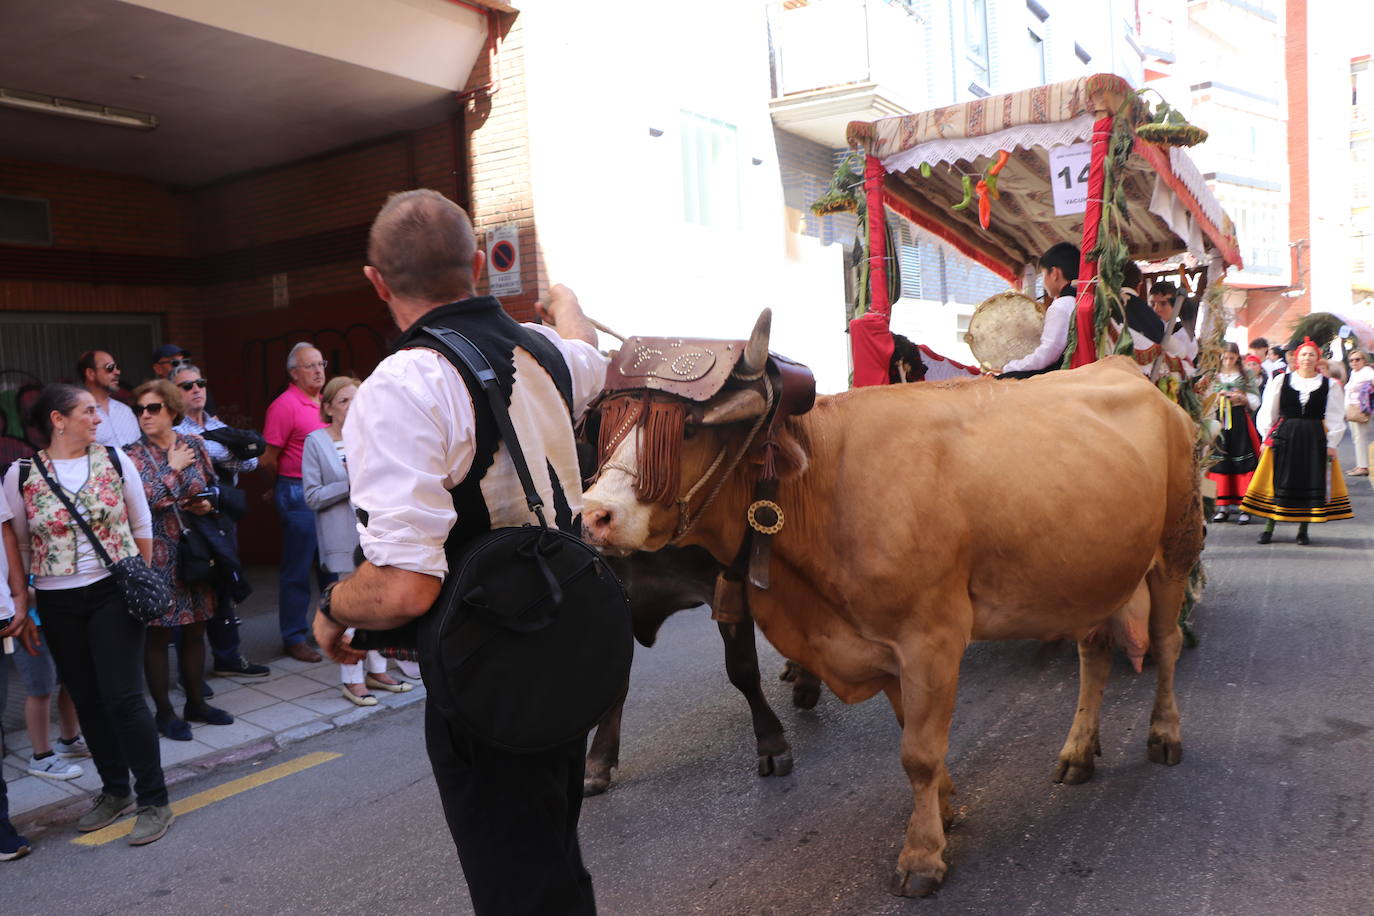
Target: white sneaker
{"points": [[76, 749], [54, 767]]}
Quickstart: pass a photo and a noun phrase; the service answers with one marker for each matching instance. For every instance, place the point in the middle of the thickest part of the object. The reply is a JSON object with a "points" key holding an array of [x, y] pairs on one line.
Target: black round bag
{"points": [[530, 642]]}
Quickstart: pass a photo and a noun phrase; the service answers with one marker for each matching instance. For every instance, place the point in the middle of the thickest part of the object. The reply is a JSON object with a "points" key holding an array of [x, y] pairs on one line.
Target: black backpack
{"points": [[529, 643]]}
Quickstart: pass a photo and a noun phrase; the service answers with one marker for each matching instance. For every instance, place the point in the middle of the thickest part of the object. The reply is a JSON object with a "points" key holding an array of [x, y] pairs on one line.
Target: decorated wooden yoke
{"points": [[658, 386]]}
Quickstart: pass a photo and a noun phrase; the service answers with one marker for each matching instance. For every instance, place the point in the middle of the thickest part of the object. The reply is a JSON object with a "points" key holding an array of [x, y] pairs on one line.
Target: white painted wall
{"points": [[608, 195]]}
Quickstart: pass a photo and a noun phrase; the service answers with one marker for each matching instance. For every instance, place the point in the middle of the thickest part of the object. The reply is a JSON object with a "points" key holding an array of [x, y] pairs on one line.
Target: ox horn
{"points": [[756, 350], [742, 404]]}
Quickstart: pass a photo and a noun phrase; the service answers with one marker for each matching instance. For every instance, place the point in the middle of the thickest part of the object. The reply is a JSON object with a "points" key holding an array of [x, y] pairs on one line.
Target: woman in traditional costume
{"points": [[1301, 421], [1237, 446]]}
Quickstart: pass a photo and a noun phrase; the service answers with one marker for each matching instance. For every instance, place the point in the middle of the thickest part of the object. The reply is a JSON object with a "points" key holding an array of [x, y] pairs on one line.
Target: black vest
{"points": [[1292, 407], [482, 321]]}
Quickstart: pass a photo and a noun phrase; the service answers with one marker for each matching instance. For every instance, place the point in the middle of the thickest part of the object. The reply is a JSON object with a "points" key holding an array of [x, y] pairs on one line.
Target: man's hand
{"points": [[562, 312], [333, 643]]}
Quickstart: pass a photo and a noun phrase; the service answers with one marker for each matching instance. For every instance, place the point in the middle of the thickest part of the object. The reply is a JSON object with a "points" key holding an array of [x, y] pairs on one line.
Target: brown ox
{"points": [[921, 517]]}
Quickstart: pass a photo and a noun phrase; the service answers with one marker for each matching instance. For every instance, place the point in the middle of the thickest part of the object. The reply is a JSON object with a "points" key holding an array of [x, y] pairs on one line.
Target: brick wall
{"points": [[1300, 201], [500, 157], [127, 244]]}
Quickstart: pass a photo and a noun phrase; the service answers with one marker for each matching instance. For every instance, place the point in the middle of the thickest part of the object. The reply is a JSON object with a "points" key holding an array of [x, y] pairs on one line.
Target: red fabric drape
{"points": [[870, 338], [1086, 349], [877, 237], [870, 343]]}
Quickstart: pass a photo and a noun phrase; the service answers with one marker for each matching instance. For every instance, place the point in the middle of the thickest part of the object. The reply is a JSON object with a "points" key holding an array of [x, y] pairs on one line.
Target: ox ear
{"points": [[733, 406], [756, 351]]}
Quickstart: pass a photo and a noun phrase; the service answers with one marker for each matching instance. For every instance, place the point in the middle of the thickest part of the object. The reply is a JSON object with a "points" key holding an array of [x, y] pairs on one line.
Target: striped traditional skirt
{"points": [[1237, 450], [1295, 482]]}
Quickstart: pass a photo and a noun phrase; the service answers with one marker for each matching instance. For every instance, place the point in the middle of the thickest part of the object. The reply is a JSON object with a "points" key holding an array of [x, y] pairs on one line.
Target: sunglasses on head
{"points": [[152, 409], [195, 383]]}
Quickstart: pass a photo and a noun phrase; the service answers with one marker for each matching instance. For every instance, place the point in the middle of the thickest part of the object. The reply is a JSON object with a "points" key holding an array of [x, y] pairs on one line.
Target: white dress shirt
{"points": [[410, 440], [1053, 339], [118, 426], [1335, 405]]}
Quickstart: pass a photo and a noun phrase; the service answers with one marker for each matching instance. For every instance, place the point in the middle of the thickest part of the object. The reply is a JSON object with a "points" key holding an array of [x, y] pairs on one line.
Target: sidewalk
{"points": [[297, 701]]}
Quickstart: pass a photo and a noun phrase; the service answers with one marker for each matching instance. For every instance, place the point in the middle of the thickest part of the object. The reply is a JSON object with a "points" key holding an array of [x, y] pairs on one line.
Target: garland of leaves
{"points": [[845, 194]]}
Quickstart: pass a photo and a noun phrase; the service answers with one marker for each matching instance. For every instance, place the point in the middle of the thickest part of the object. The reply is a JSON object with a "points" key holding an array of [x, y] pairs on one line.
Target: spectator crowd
{"points": [[102, 474]]}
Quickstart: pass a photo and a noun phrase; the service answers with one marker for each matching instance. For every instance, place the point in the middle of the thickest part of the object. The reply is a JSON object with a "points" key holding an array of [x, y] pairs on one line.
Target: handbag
{"points": [[145, 592], [1354, 414], [529, 643], [195, 559]]}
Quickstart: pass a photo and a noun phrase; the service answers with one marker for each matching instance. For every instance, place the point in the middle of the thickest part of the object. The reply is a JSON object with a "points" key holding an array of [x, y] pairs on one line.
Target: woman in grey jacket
{"points": [[324, 476]]}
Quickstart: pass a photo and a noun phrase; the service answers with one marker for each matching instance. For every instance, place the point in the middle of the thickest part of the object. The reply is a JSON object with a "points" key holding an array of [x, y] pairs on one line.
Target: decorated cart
{"points": [[1002, 179]]}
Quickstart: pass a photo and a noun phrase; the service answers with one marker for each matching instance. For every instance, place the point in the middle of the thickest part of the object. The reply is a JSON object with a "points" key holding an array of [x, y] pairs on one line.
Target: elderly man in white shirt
{"points": [[1058, 271], [99, 374], [423, 475]]}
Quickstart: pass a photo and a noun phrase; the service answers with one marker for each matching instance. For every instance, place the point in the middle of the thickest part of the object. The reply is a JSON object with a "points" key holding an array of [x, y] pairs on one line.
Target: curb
{"points": [[57, 814]]}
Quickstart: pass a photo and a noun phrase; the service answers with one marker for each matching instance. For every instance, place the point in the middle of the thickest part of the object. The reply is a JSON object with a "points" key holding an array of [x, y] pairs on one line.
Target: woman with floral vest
{"points": [[97, 645], [174, 468]]}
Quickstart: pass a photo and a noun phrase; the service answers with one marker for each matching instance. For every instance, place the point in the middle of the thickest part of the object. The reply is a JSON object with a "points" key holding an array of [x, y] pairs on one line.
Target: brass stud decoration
{"points": [[765, 517]]}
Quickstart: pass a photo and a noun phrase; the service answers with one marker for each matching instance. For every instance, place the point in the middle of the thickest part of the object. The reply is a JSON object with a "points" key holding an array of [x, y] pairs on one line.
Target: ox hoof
{"points": [[910, 884], [1073, 774], [595, 784], [775, 764], [1161, 750], [805, 694]]}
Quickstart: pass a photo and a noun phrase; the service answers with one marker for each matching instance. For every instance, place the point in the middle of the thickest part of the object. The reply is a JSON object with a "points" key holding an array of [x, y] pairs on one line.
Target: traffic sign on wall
{"points": [[503, 261]]}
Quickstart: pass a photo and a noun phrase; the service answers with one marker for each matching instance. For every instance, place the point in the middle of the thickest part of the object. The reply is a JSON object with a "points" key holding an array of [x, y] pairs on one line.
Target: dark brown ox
{"points": [[659, 585], [921, 517]]}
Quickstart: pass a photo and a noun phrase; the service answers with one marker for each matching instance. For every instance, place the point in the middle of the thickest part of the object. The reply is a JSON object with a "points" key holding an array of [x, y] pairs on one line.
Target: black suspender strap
{"points": [[458, 348]]}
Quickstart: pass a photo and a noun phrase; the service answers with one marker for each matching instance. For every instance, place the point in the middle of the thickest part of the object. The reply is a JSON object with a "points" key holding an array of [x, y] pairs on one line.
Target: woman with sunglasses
{"points": [[177, 477], [1361, 375], [97, 645]]}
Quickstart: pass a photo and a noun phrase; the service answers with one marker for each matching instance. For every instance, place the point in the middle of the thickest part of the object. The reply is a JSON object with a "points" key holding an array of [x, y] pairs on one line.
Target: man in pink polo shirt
{"points": [[294, 415]]}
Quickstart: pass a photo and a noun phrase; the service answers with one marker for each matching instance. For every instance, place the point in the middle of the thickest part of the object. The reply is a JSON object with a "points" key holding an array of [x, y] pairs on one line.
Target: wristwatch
{"points": [[326, 596]]}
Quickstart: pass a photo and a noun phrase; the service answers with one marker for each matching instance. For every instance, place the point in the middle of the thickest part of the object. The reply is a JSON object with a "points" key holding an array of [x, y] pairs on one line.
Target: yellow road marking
{"points": [[210, 796]]}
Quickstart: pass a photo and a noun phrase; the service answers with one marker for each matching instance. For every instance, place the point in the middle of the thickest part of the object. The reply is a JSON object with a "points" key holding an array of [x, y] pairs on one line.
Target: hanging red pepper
{"points": [[1002, 157], [968, 194], [984, 205]]}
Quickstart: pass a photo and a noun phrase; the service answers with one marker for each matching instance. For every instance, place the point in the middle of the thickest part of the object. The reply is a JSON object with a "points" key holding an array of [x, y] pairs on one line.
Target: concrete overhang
{"points": [[821, 115], [233, 86]]}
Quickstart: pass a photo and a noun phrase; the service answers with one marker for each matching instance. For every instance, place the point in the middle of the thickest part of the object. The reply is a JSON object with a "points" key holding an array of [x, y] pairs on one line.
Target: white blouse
{"points": [[1335, 405], [72, 474]]}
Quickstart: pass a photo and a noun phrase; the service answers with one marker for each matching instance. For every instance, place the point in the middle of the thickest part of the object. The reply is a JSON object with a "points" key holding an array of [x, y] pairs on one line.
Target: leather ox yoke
{"points": [[660, 385]]}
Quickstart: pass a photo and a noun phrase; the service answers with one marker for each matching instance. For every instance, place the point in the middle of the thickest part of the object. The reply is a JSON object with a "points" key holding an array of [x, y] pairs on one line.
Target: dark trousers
{"points": [[98, 649], [297, 559], [514, 820], [222, 631]]}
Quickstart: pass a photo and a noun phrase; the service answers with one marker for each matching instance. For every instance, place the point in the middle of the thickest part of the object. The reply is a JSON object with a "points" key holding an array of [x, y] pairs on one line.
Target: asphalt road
{"points": [[1269, 812]]}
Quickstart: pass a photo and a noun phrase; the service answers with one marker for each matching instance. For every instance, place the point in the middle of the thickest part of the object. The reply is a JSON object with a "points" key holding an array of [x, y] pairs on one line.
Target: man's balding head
{"points": [[422, 245]]}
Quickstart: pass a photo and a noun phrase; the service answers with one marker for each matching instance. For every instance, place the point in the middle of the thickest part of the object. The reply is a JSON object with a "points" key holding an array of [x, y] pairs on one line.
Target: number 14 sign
{"points": [[1069, 177]]}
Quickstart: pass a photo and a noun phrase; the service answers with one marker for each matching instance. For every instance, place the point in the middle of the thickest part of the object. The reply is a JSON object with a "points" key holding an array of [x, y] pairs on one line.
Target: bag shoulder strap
{"points": [[457, 348], [114, 459], [80, 520]]}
